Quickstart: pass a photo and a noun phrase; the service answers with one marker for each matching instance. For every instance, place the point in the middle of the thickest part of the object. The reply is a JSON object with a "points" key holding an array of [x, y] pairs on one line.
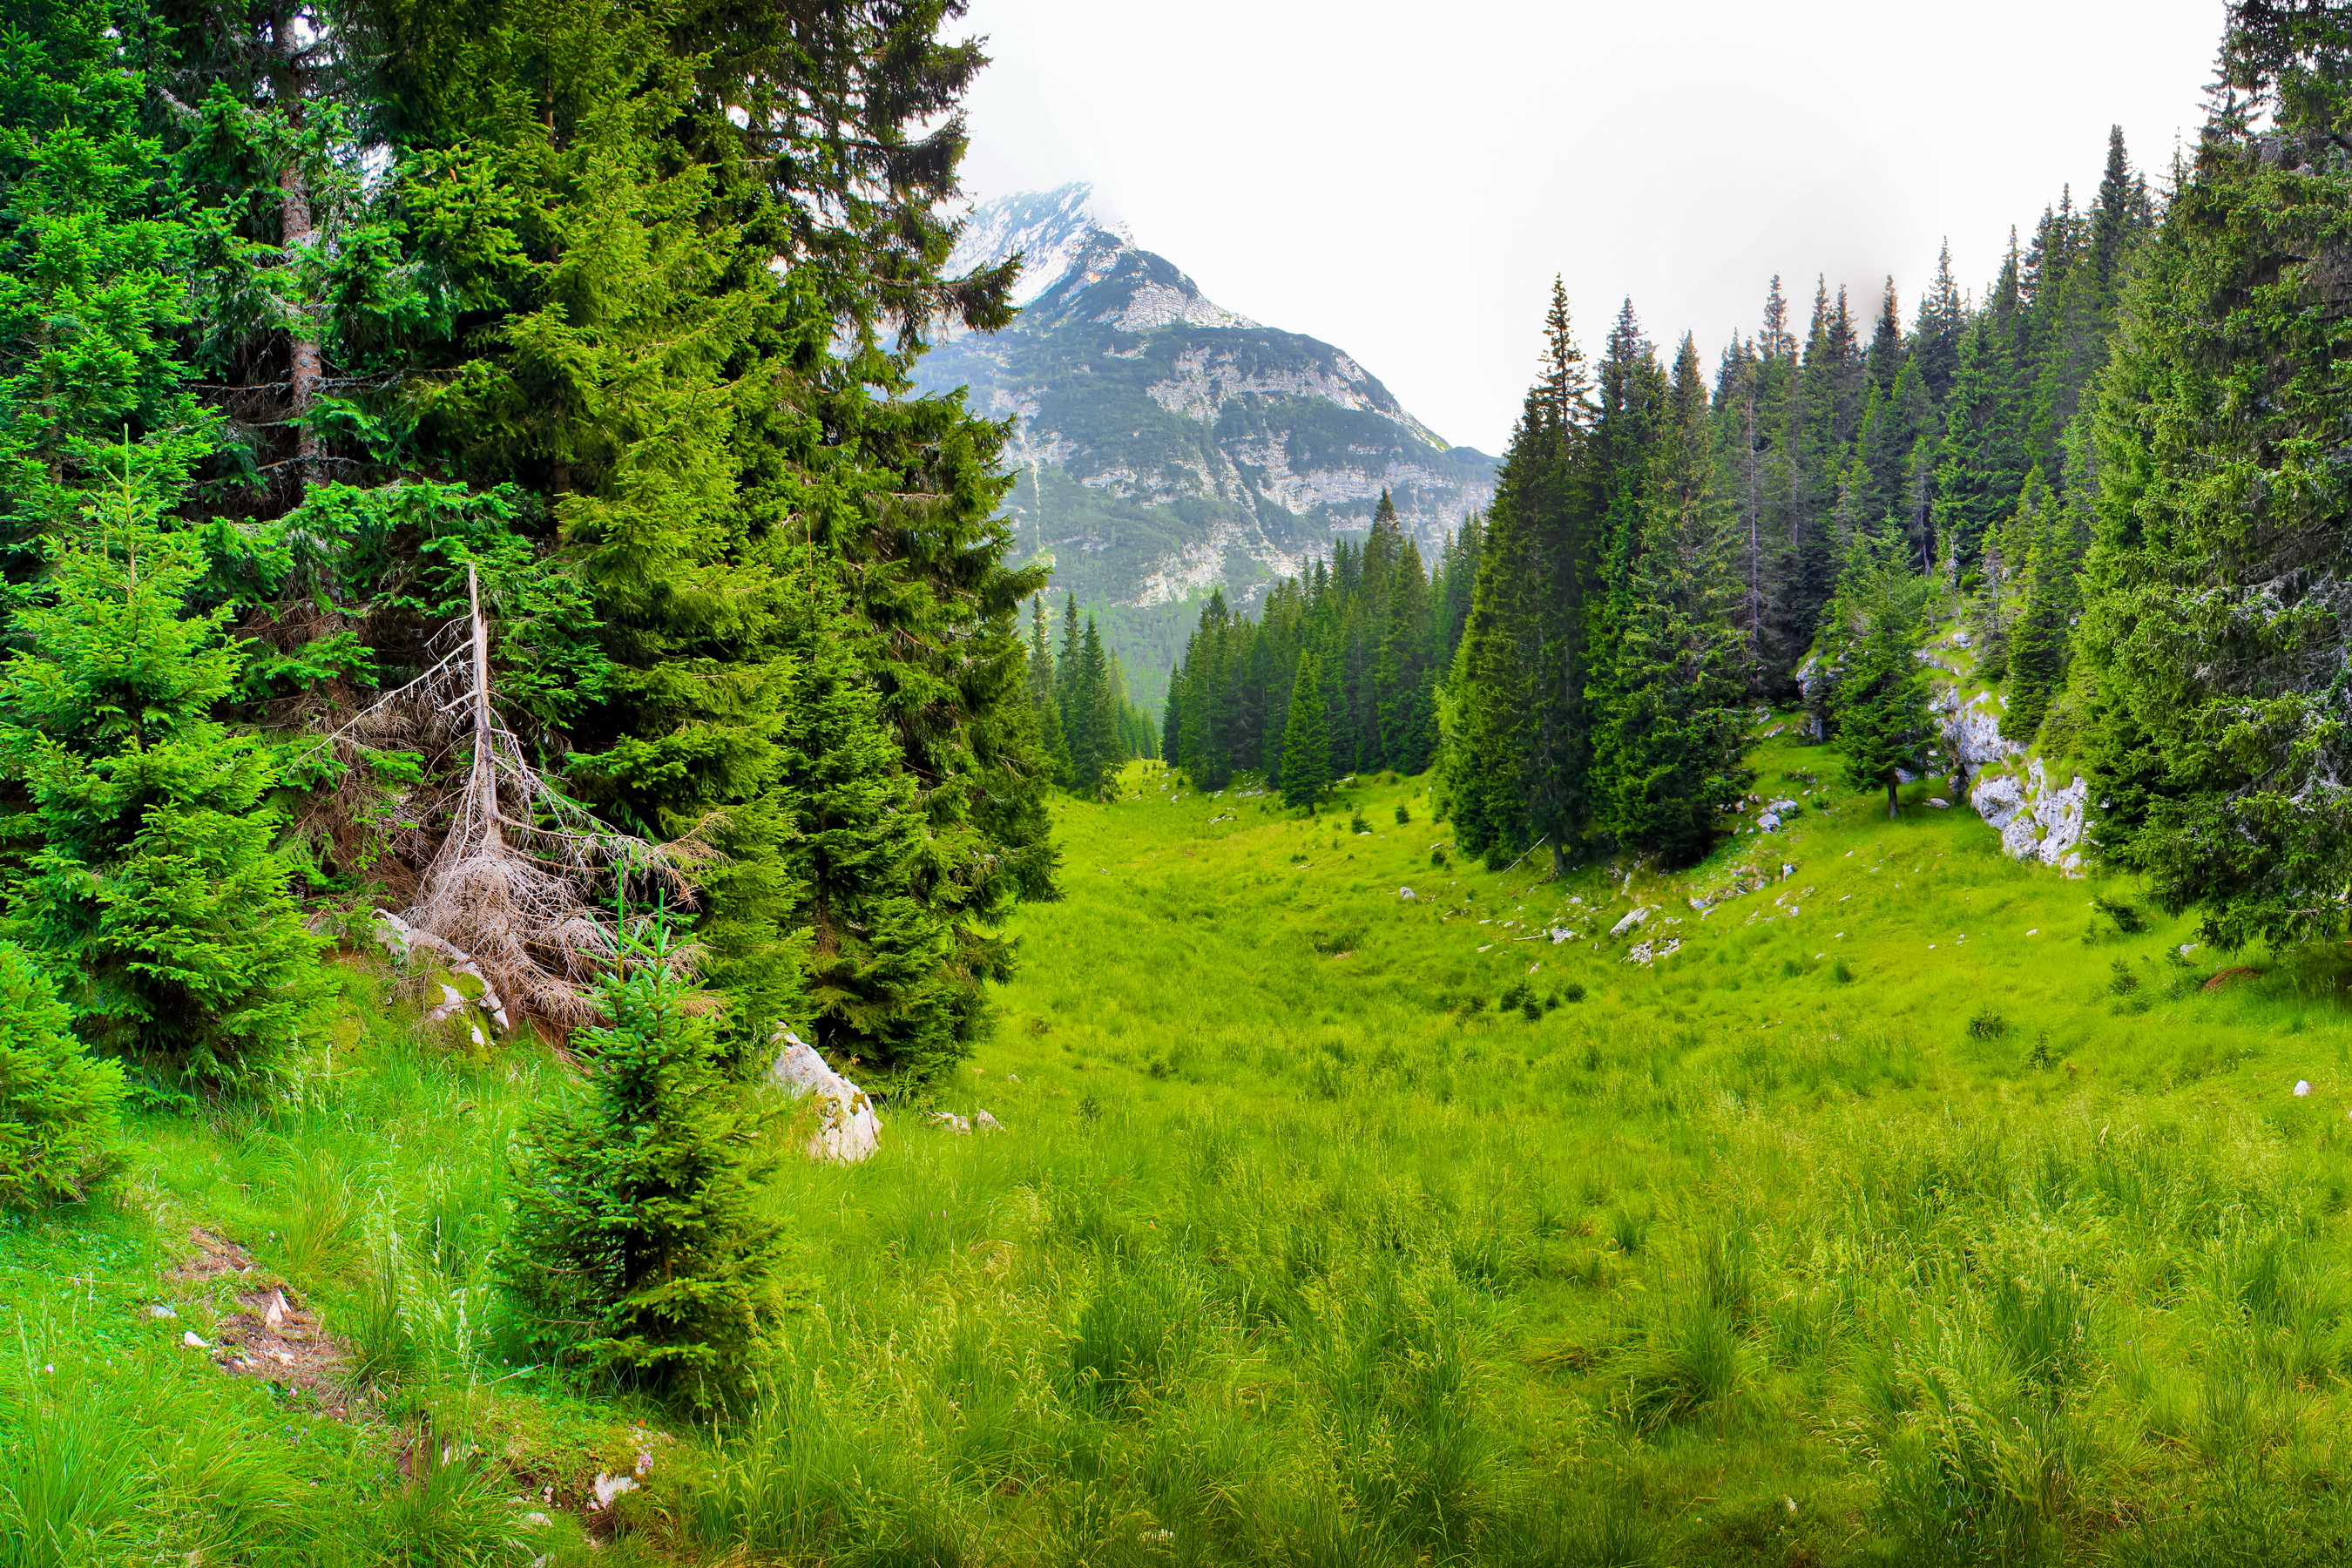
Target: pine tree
{"points": [[638, 1250], [1402, 676], [2038, 638], [1099, 754], [1942, 321], [155, 889], [1052, 743], [1982, 464], [2212, 630], [1306, 740], [95, 248], [880, 986], [1672, 728], [1622, 469], [59, 1107], [1880, 704]]}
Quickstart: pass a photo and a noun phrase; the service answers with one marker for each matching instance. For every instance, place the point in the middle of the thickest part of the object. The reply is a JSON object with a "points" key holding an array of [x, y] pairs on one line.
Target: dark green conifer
{"points": [[156, 891], [1672, 727], [1306, 740], [638, 1250], [2212, 633], [1043, 699], [1880, 702]]}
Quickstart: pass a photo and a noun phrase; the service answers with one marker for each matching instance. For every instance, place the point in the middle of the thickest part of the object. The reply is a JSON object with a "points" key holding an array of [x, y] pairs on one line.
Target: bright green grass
{"points": [[1299, 1249]]}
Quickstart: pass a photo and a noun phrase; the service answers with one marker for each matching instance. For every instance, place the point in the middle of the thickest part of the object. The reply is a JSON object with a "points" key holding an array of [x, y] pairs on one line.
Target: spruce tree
{"points": [[879, 986], [1052, 742], [60, 1107], [1306, 740], [1099, 751], [96, 248], [1880, 704], [1982, 463], [155, 889], [2214, 633], [1408, 722], [1672, 727], [638, 1252], [1942, 320]]}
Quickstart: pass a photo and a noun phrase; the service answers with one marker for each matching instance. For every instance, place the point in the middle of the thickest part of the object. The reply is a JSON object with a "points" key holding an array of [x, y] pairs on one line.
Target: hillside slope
{"points": [[1867, 1193]]}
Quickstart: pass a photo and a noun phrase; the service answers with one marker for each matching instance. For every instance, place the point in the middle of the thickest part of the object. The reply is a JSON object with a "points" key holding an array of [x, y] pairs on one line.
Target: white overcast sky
{"points": [[1404, 180]]}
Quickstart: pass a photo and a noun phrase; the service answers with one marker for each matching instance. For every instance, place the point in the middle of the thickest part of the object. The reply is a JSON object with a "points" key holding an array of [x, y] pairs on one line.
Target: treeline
{"points": [[1664, 553], [316, 315], [1340, 673], [1669, 548], [1088, 726]]}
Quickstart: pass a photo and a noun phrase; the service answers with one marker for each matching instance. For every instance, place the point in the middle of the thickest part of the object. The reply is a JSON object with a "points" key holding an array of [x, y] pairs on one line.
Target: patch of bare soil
{"points": [[272, 1336]]}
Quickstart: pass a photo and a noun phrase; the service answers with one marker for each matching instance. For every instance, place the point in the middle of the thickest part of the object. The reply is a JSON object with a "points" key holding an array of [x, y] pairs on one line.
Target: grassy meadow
{"points": [[1910, 1209]]}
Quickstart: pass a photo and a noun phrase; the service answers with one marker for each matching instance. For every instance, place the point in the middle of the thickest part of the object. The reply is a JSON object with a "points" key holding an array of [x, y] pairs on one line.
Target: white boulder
{"points": [[1631, 921], [847, 1131]]}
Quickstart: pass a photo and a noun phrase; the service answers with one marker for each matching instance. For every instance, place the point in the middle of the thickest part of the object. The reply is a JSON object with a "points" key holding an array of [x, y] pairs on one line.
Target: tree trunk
{"points": [[297, 232], [485, 770], [1890, 798]]}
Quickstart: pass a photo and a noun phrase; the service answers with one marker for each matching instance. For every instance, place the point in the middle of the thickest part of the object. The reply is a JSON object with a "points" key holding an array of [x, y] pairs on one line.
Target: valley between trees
{"points": [[1517, 1063], [1910, 1207]]}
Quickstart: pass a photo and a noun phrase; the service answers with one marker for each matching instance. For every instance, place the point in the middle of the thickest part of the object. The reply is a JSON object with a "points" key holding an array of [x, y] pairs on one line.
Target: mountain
{"points": [[1168, 446]]}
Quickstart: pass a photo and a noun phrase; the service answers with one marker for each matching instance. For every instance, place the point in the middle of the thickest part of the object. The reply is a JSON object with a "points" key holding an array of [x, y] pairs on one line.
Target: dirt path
{"points": [[271, 1336]]}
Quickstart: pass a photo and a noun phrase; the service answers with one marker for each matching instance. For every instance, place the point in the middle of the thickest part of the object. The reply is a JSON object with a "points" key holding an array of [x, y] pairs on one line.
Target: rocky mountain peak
{"points": [[1165, 445]]}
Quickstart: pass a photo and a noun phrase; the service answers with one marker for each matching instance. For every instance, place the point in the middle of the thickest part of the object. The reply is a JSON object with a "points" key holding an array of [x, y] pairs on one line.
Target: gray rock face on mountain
{"points": [[1165, 445]]}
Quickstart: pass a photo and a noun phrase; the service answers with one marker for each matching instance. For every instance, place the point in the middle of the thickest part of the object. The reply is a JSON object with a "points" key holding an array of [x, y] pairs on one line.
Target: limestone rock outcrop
{"points": [[847, 1131]]}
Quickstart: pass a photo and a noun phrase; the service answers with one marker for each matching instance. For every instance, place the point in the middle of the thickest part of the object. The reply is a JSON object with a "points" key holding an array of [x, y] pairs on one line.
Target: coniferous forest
{"points": [[596, 967], [1672, 547]]}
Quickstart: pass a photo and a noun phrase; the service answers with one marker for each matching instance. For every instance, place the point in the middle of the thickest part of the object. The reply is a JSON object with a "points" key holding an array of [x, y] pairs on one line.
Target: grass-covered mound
{"points": [[1909, 1208]]}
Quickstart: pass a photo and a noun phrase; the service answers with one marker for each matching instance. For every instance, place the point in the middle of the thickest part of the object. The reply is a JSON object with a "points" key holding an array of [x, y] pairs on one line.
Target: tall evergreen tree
{"points": [[1043, 695], [1306, 740], [1672, 728], [2213, 631], [1880, 703]]}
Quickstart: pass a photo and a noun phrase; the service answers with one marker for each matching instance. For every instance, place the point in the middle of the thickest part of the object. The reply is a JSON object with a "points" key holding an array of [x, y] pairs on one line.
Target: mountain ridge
{"points": [[1167, 446]]}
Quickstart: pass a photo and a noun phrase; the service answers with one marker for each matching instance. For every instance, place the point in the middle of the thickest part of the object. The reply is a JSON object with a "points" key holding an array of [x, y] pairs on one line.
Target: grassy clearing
{"points": [[1908, 1210]]}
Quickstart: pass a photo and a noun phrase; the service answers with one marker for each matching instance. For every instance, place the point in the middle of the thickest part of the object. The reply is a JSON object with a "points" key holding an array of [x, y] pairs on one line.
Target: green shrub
{"points": [[1572, 992], [1987, 1024], [1403, 813], [1521, 997], [1437, 857], [1338, 939], [58, 1106], [2121, 980], [1356, 822], [637, 1251], [2128, 919], [1841, 974]]}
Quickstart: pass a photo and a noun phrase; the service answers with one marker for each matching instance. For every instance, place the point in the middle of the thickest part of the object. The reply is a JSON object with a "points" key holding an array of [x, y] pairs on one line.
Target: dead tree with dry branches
{"points": [[525, 882]]}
